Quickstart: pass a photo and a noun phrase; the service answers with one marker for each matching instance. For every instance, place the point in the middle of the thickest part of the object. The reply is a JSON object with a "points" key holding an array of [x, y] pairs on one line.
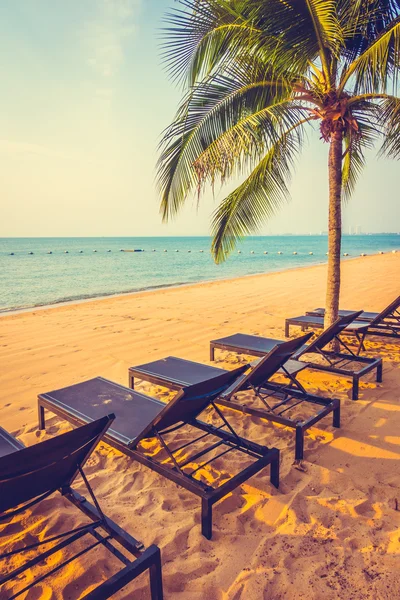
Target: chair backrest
{"points": [[330, 332], [32, 472], [270, 364], [386, 311], [190, 402]]}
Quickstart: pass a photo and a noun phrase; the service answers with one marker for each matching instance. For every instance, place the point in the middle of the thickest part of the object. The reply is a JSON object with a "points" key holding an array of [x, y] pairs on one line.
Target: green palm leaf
{"points": [[258, 197], [245, 142], [390, 121], [377, 65], [327, 27], [210, 110]]}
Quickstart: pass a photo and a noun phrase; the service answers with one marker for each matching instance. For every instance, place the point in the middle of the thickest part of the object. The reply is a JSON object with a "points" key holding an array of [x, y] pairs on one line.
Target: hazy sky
{"points": [[84, 100]]}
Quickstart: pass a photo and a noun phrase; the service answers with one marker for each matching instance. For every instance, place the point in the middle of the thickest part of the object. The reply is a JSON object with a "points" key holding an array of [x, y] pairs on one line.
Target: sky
{"points": [[84, 101]]}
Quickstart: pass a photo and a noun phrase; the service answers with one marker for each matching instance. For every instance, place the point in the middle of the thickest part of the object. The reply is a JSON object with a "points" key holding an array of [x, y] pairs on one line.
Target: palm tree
{"points": [[257, 73]]}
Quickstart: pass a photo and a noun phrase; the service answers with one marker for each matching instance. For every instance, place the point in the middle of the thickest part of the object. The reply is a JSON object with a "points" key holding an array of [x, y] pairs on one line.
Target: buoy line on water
{"points": [[252, 252]]}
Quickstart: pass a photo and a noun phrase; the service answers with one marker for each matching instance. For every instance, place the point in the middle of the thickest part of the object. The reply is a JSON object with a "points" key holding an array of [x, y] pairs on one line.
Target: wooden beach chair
{"points": [[345, 362], [29, 476], [388, 316], [383, 324], [175, 373], [139, 417]]}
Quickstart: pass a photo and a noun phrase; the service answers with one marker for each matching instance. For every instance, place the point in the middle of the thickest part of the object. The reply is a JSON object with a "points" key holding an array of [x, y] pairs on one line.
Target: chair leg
{"points": [[379, 373], [156, 587], [336, 416], [356, 382], [274, 472], [42, 424], [206, 518], [299, 452], [287, 328], [212, 352], [131, 382]]}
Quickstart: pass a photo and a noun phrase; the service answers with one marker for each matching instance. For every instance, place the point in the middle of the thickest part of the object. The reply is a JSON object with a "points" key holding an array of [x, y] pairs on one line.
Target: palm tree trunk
{"points": [[335, 226]]}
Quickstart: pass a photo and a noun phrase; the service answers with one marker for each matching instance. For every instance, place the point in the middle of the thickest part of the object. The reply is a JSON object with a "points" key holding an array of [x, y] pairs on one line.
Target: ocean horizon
{"points": [[43, 271]]}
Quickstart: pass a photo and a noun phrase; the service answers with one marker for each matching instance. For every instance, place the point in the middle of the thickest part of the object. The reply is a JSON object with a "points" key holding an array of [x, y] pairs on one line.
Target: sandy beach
{"points": [[331, 530]]}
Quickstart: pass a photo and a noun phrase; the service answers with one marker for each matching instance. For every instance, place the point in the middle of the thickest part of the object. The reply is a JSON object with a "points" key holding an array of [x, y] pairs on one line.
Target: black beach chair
{"points": [[383, 324], [30, 475], [389, 316], [344, 362], [175, 373], [139, 417]]}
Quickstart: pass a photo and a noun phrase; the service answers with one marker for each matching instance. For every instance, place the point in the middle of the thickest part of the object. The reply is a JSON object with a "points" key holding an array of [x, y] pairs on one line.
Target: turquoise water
{"points": [[40, 278]]}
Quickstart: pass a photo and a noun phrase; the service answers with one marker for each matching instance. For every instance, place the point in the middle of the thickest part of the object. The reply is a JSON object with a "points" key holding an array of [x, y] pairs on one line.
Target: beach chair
{"points": [[139, 417], [388, 316], [345, 363], [383, 324], [30, 475], [175, 373]]}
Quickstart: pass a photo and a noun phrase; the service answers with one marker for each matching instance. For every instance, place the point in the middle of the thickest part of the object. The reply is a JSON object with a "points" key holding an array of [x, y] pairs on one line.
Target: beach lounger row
{"points": [[389, 315], [343, 363], [383, 324], [274, 401]]}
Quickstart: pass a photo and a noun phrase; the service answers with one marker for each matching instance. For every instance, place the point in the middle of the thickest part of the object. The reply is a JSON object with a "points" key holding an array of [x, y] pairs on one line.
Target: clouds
{"points": [[104, 37]]}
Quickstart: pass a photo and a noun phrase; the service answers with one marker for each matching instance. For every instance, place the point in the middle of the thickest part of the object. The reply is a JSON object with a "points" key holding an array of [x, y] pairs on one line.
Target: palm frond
{"points": [[223, 46], [367, 112], [258, 197], [203, 35], [390, 120], [327, 28], [363, 21], [378, 64], [207, 113], [243, 144], [354, 158]]}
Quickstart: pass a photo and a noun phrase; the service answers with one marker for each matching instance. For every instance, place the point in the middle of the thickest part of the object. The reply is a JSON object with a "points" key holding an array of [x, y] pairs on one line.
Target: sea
{"points": [[42, 271]]}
